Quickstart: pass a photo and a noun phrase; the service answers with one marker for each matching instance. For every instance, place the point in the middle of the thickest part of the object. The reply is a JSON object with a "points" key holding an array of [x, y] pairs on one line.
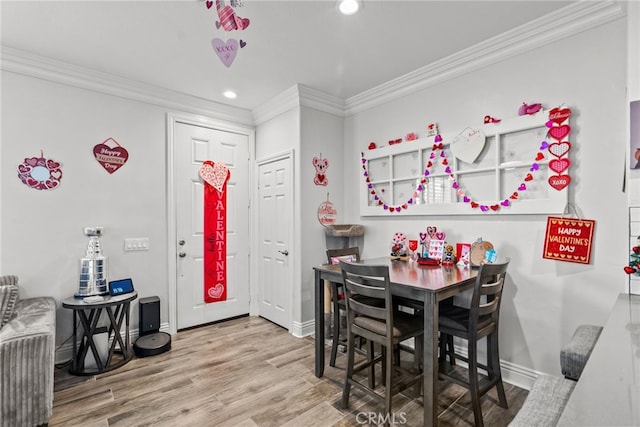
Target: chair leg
{"points": [[336, 335], [349, 371], [372, 366], [473, 382], [387, 384], [493, 363], [418, 343]]}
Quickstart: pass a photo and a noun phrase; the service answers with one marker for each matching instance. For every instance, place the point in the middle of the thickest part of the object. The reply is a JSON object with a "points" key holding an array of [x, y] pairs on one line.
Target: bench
{"points": [[549, 395]]}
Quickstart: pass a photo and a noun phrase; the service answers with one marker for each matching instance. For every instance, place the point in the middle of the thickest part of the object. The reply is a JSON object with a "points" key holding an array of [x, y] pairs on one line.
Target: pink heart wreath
{"points": [[214, 174]]}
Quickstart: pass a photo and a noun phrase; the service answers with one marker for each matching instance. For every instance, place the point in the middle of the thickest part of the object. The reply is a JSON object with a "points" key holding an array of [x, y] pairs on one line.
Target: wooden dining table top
{"points": [[422, 277]]}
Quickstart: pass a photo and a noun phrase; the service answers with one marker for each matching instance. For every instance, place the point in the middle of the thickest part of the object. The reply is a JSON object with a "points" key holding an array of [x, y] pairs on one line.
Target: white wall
{"points": [[544, 300], [322, 135], [42, 237]]}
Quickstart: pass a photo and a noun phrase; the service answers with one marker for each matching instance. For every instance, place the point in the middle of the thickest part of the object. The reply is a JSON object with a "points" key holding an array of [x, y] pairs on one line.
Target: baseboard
{"points": [[64, 353], [300, 330]]}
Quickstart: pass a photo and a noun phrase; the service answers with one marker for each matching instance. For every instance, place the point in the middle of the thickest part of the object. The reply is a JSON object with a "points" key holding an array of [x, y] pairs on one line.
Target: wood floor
{"points": [[244, 372]]}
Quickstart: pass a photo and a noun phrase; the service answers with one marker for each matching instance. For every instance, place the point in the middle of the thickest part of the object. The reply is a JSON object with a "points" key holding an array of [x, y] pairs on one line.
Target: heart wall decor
{"points": [[40, 173], [468, 145], [215, 174], [111, 155]]}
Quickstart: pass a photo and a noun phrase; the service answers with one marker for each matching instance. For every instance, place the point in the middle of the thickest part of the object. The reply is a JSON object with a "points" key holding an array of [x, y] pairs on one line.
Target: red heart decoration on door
{"points": [[558, 115], [559, 181], [559, 165], [629, 270], [559, 132], [111, 159], [559, 149]]}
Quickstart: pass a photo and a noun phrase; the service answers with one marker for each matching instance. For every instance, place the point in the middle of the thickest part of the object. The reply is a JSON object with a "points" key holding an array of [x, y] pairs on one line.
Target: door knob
{"points": [[182, 255], [285, 252], [181, 242]]}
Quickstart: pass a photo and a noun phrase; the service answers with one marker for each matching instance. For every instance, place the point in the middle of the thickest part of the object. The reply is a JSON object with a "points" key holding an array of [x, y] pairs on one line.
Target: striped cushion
{"points": [[8, 297]]}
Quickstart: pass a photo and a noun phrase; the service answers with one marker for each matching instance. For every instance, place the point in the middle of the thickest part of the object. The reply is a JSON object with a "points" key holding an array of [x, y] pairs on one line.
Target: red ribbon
{"points": [[215, 241]]}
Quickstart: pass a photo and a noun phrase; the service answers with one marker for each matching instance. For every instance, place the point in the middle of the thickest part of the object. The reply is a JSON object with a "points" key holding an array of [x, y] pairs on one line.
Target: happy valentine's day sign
{"points": [[568, 239], [111, 155]]}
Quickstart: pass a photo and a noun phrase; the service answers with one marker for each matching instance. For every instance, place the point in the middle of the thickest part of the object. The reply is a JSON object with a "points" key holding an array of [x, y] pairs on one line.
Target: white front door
{"points": [[193, 144], [275, 230]]}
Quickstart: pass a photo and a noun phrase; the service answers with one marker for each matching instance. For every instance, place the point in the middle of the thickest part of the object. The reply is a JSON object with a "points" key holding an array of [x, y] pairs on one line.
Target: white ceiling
{"points": [[168, 43]]}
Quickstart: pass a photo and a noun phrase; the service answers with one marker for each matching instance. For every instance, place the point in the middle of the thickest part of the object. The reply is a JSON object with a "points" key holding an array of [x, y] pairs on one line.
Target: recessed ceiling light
{"points": [[229, 94], [349, 7]]}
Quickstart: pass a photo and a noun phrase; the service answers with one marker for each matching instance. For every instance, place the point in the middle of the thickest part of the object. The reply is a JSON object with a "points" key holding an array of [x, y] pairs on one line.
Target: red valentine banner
{"points": [[111, 158], [215, 177], [568, 239]]}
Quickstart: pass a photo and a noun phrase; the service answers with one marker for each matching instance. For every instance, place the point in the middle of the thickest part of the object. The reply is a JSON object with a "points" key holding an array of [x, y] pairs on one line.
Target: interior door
{"points": [[275, 211], [193, 144]]}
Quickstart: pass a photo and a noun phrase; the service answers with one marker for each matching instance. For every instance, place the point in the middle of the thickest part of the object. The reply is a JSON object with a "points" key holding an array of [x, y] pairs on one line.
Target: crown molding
{"points": [[570, 20], [565, 22], [28, 64], [297, 96]]}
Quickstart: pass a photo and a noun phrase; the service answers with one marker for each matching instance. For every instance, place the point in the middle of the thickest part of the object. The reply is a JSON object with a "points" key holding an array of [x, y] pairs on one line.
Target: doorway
{"points": [[191, 143]]}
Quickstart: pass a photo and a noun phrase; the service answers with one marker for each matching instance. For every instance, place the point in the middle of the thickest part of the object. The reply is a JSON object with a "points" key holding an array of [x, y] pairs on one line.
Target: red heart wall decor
{"points": [[559, 181], [559, 165], [559, 132], [559, 115], [559, 149], [111, 158]]}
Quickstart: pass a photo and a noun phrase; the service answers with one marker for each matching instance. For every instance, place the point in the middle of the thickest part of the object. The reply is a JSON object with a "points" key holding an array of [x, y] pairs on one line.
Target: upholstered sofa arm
{"points": [[27, 353]]}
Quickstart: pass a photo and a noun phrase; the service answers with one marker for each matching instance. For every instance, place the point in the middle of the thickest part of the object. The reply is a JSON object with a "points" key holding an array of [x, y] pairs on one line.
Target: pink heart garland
{"points": [[559, 165], [559, 149], [215, 174]]}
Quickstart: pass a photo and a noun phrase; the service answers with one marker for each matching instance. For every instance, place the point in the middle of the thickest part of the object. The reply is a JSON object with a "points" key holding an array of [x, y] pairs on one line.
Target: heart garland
{"points": [[556, 116], [226, 50], [559, 131]]}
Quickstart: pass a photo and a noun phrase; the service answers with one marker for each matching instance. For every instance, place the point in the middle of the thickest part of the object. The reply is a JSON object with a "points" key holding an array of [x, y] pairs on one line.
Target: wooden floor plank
{"points": [[245, 372]]}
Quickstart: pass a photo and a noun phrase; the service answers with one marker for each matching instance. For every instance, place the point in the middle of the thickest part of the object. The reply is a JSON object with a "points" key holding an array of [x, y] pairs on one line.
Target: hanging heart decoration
{"points": [[226, 51], [559, 149], [215, 174], [559, 165], [559, 131], [111, 155]]}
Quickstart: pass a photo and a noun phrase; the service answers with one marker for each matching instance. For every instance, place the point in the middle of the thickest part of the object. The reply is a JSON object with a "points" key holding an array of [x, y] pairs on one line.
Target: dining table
{"points": [[427, 284]]}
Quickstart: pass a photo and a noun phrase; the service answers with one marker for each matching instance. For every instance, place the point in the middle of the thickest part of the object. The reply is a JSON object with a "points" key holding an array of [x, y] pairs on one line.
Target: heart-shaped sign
{"points": [[559, 165], [559, 182], [468, 145], [440, 235], [559, 132], [215, 174], [216, 291], [431, 231], [226, 51], [559, 115], [111, 158], [423, 237], [559, 149]]}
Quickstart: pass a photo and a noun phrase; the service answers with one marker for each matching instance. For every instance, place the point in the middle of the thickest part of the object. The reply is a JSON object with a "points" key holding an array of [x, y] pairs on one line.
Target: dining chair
{"points": [[337, 296], [375, 319], [479, 320]]}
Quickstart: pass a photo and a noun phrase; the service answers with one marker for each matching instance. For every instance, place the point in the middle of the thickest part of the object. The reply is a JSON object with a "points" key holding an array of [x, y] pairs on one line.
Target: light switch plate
{"points": [[136, 244]]}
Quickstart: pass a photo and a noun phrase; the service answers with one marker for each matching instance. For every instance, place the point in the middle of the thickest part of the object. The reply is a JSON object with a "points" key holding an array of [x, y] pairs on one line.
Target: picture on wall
{"points": [[635, 134]]}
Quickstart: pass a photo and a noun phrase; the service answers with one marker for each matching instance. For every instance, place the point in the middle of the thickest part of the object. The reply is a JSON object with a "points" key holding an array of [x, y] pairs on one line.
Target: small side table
{"points": [[89, 313]]}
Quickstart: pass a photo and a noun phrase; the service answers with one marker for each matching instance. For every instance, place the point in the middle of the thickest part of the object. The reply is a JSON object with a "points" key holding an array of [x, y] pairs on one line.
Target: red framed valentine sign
{"points": [[215, 177], [568, 239]]}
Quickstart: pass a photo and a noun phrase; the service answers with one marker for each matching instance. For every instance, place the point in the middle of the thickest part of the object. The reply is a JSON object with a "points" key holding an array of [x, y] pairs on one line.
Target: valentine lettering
{"points": [[111, 158], [215, 230]]}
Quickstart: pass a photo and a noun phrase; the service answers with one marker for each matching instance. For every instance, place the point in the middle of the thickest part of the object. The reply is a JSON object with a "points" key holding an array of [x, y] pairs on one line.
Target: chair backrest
{"points": [[487, 295], [346, 254], [367, 293]]}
